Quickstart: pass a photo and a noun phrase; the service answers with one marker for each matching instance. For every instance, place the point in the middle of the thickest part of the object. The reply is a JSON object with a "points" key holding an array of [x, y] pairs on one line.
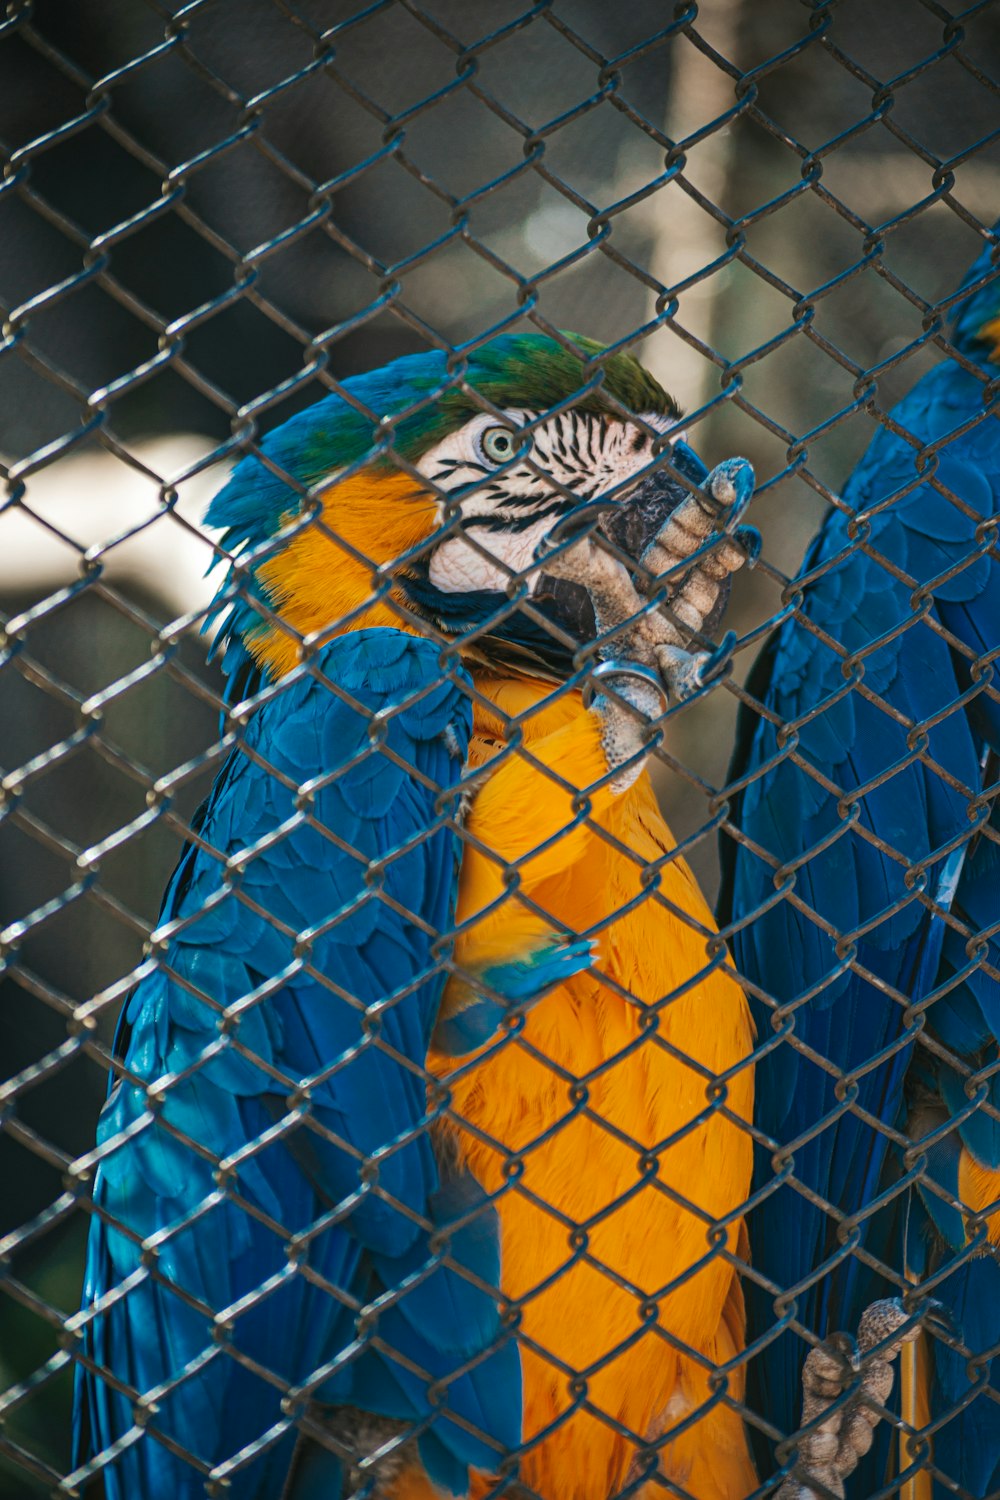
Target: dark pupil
{"points": [[501, 443]]}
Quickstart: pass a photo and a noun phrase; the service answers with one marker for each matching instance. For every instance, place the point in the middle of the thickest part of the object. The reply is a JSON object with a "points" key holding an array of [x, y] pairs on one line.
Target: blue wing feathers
{"points": [[288, 968], [922, 532]]}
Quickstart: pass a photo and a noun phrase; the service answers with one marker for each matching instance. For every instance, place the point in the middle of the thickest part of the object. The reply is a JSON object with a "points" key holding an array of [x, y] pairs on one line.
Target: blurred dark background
{"points": [[210, 209]]}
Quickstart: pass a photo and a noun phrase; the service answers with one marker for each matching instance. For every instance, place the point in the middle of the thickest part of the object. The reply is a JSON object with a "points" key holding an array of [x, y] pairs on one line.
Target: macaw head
{"points": [[420, 500]]}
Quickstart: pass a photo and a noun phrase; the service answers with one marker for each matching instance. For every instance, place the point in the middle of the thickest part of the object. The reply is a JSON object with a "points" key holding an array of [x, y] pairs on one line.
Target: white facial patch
{"points": [[573, 457], [458, 568]]}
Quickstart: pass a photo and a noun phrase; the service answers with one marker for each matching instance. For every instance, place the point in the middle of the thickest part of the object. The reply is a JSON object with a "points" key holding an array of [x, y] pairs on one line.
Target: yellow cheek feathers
{"points": [[317, 583]]}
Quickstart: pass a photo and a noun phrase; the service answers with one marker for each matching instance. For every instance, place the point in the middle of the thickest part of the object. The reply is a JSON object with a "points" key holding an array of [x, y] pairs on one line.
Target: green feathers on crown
{"points": [[525, 370]]}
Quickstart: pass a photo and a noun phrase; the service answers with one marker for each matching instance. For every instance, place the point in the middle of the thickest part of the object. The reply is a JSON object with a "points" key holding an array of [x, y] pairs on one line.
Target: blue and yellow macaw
{"points": [[864, 894], [412, 1158]]}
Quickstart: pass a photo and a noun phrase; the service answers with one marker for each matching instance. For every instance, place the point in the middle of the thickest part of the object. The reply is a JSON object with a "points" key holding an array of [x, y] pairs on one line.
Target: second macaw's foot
{"points": [[851, 1381]]}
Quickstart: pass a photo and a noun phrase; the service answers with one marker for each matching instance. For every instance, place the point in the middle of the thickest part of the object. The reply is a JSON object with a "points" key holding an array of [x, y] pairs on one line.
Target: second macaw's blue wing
{"points": [[269, 1187], [843, 951], [861, 780]]}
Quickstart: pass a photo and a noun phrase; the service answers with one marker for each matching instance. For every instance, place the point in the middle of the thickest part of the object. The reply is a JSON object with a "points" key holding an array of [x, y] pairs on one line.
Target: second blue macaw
{"points": [[864, 898]]}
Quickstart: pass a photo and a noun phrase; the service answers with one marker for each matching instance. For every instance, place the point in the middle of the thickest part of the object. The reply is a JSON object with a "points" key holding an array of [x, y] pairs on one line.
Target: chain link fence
{"points": [[213, 214]]}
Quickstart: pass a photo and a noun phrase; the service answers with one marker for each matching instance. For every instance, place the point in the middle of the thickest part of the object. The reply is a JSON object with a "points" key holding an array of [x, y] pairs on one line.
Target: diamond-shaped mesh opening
{"points": [[431, 1135]]}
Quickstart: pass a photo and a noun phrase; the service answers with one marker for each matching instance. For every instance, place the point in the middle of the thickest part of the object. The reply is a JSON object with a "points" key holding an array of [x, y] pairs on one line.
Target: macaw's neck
{"points": [[323, 581], [516, 704]]}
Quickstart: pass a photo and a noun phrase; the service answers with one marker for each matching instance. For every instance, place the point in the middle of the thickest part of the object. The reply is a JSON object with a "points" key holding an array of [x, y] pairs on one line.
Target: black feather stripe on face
{"points": [[576, 452], [469, 582], [516, 523]]}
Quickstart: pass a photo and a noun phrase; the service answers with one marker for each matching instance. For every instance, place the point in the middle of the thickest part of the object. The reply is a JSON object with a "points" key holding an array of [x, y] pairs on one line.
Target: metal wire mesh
{"points": [[211, 215]]}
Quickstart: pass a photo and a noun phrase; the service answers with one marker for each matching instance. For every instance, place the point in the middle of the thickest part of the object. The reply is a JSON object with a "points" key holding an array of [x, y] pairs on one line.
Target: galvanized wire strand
{"points": [[83, 730]]}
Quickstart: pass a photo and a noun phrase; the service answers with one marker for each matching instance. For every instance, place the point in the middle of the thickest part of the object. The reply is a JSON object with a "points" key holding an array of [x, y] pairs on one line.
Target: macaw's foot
{"points": [[645, 650], [701, 545], [686, 673], [851, 1381], [692, 556]]}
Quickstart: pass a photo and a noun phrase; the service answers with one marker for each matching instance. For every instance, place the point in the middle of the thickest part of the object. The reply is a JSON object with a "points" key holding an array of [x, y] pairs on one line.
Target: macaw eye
{"points": [[498, 444]]}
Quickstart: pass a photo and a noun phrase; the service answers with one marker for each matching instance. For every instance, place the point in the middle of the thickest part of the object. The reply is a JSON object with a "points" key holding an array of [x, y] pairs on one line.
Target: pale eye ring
{"points": [[498, 444]]}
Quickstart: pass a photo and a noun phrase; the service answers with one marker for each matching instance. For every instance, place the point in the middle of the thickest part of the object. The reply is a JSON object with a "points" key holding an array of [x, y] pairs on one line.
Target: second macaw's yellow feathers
{"points": [[979, 1190], [597, 1123], [990, 334]]}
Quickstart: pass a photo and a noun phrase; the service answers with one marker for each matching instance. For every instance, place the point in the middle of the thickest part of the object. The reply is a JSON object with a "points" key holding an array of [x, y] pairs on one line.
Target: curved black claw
{"points": [[750, 541], [716, 662], [935, 1317], [688, 673]]}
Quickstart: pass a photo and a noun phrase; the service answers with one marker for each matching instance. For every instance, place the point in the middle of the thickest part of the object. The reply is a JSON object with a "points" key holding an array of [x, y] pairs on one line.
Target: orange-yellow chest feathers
{"points": [[325, 580], [609, 1163]]}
